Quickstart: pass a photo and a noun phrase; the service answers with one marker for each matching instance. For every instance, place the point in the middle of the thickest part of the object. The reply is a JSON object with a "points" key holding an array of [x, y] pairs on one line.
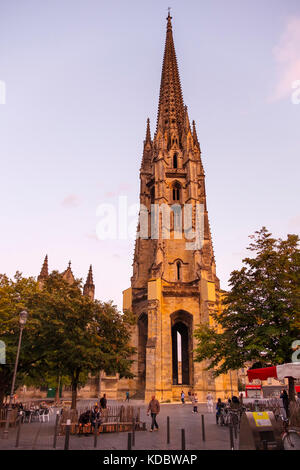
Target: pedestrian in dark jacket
{"points": [[154, 409], [95, 417], [285, 401], [103, 401], [83, 420], [219, 407]]}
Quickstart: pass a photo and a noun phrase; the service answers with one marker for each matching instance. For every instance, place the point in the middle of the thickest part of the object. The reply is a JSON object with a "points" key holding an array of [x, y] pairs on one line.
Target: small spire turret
{"points": [[89, 286], [44, 271]]}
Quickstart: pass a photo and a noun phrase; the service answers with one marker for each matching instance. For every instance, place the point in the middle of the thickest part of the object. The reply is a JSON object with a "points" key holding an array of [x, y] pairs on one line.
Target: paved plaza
{"points": [[40, 435]]}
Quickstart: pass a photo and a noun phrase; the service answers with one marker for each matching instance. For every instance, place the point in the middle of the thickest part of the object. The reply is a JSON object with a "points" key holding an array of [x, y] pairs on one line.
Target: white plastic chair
{"points": [[46, 415], [41, 416]]}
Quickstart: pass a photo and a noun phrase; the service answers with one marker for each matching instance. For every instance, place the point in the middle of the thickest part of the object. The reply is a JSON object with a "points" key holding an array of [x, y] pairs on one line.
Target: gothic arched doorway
{"points": [[182, 325]]}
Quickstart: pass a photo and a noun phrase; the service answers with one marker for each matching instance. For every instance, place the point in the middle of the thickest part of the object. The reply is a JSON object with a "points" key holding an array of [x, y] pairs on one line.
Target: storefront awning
{"points": [[276, 372]]}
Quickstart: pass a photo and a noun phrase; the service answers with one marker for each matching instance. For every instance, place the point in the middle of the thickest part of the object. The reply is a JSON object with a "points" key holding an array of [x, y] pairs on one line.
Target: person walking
{"points": [[195, 402], [154, 409], [182, 397], [127, 396], [210, 402], [285, 401], [219, 407], [103, 401]]}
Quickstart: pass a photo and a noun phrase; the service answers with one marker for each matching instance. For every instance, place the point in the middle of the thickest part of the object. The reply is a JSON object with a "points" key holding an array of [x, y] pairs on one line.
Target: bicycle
{"points": [[290, 437]]}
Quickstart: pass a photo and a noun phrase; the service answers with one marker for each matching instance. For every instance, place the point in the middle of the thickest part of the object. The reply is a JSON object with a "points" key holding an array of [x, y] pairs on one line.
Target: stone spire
{"points": [[171, 108], [195, 136], [44, 271], [148, 133], [147, 154], [89, 286]]}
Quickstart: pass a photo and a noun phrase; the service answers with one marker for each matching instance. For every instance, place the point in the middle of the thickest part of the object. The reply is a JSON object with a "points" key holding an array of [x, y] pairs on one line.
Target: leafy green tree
{"points": [[15, 295], [66, 335], [85, 336], [261, 318]]}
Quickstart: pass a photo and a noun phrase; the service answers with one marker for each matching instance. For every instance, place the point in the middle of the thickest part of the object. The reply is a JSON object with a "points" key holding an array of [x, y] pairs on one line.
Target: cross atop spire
{"points": [[171, 107], [68, 274], [169, 18]]}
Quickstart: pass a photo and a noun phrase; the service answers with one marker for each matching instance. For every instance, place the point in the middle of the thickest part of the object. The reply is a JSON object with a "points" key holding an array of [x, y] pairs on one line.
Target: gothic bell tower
{"points": [[174, 286]]}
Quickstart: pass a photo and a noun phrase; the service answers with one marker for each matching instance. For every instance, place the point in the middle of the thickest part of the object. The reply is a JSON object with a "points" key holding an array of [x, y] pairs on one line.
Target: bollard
{"points": [[265, 445], [231, 437], [235, 431], [129, 441], [96, 434], [55, 430], [203, 428], [182, 439], [67, 439], [133, 432], [168, 429], [36, 436], [19, 430]]}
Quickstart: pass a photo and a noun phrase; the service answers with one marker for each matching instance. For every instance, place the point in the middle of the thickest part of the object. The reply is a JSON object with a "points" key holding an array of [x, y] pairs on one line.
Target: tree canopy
{"points": [[261, 316], [67, 334]]}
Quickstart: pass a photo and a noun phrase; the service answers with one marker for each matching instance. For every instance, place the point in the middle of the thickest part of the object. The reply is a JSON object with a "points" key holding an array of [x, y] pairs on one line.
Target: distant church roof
{"points": [[68, 276]]}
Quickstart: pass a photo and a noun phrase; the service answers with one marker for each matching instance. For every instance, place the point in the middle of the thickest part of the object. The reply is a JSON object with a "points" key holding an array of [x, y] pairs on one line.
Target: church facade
{"points": [[174, 286]]}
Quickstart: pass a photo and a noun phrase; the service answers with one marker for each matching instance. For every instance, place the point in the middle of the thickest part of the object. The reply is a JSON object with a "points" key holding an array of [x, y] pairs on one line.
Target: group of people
{"points": [[233, 402], [93, 416], [154, 406], [193, 398], [18, 405]]}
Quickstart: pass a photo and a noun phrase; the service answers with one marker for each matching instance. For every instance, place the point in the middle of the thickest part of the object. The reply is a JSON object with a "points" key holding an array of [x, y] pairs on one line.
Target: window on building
{"points": [[178, 270], [175, 161], [152, 195], [176, 192]]}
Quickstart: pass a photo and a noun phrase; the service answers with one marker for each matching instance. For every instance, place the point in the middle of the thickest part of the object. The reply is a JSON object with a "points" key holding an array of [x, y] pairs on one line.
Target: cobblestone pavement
{"points": [[40, 435]]}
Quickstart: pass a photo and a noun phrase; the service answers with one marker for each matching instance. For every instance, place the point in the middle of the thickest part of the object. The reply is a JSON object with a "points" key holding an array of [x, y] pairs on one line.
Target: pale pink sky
{"points": [[82, 76]]}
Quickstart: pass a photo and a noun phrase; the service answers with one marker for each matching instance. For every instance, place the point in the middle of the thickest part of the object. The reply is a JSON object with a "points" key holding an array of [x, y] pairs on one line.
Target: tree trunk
{"points": [[74, 389], [291, 388], [57, 392], [5, 379], [2, 395], [74, 395]]}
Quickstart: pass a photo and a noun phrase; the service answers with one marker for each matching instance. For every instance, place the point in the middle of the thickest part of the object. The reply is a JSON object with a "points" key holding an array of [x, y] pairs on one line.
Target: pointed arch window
{"points": [[152, 195], [178, 271], [175, 161], [176, 192]]}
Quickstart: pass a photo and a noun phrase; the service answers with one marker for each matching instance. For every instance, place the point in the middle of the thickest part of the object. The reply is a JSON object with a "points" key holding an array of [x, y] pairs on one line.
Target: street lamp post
{"points": [[22, 321]]}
